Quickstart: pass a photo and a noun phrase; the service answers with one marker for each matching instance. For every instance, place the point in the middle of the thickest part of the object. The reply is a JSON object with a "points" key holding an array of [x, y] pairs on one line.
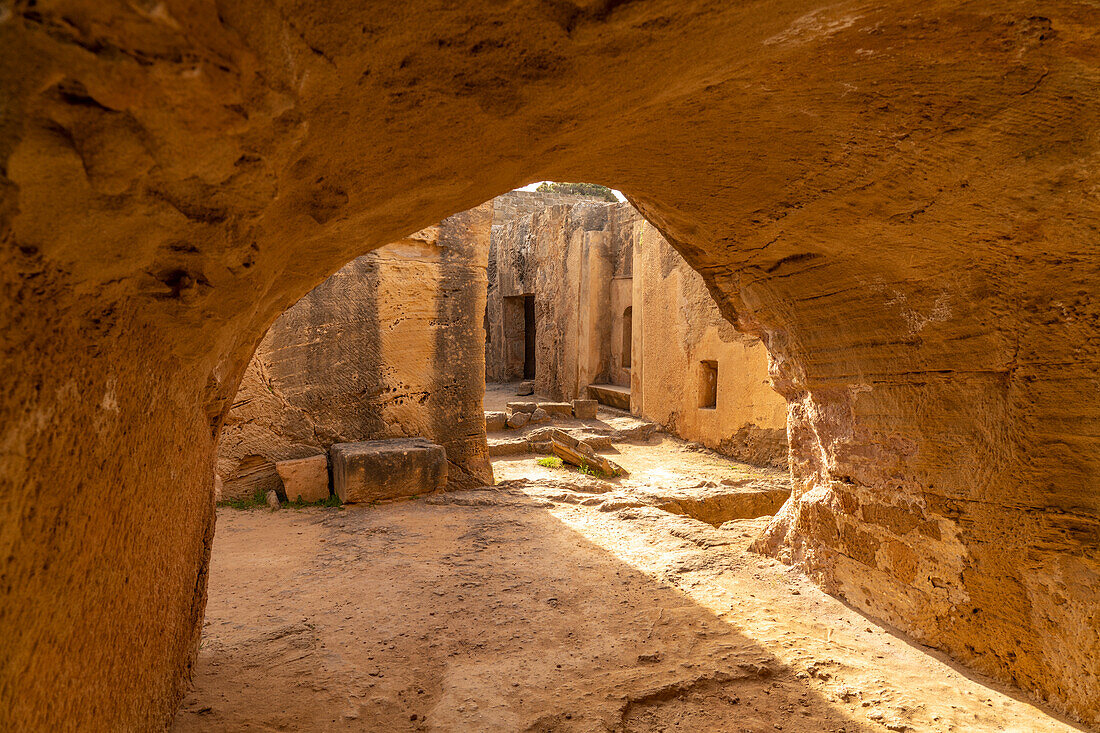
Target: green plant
{"points": [[332, 502], [587, 470], [258, 498], [594, 190], [550, 462]]}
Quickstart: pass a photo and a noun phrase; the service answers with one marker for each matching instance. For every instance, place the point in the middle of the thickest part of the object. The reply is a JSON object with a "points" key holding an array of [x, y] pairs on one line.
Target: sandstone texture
{"points": [[678, 331], [550, 310], [389, 346], [619, 316], [504, 348], [305, 479], [898, 199], [585, 409], [495, 420], [518, 419], [387, 469]]}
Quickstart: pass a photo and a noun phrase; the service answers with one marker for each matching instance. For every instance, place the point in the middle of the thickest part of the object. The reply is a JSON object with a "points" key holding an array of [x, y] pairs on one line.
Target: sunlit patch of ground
{"points": [[537, 605]]}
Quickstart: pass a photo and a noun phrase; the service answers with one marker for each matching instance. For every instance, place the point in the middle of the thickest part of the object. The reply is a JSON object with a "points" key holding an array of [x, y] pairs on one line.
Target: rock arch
{"points": [[898, 199]]}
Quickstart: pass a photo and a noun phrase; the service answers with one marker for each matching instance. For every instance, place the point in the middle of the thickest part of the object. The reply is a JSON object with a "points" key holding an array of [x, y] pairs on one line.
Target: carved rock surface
{"points": [[585, 409], [305, 479], [682, 332], [898, 199], [387, 347], [620, 317], [495, 420], [387, 469]]}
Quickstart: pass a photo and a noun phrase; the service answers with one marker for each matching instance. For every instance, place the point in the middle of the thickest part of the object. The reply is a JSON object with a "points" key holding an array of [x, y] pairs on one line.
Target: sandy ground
{"points": [[537, 605], [499, 394]]}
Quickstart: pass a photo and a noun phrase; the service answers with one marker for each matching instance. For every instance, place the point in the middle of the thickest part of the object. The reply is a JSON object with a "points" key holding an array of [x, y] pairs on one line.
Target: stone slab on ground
{"points": [[574, 450], [585, 409], [495, 420], [557, 408], [568, 436], [525, 388], [611, 395], [387, 469], [508, 446], [518, 419], [540, 416], [522, 406], [305, 478]]}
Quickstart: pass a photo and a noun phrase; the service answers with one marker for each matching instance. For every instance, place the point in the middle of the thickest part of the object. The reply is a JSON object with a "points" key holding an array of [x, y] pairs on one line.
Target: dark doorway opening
{"points": [[528, 337], [628, 335]]}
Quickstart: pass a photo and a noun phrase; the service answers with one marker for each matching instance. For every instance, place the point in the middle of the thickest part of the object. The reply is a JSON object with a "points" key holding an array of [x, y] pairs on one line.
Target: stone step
{"points": [[612, 395]]}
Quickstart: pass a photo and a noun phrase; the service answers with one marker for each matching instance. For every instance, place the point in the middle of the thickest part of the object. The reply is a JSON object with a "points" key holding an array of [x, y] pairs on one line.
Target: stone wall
{"points": [[678, 328], [900, 201], [504, 318], [388, 347], [518, 204], [586, 264], [560, 255]]}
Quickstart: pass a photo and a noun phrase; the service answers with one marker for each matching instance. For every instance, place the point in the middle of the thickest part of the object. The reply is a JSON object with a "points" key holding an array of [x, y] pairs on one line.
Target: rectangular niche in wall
{"points": [[708, 385]]}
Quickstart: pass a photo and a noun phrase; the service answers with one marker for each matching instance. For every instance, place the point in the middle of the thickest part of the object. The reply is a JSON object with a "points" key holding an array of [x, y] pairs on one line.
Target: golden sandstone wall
{"points": [[388, 347], [898, 198], [504, 318], [562, 255], [585, 264], [677, 328]]}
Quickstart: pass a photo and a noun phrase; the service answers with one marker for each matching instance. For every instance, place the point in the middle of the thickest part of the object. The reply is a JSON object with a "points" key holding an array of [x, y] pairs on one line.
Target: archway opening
{"points": [[497, 548]]}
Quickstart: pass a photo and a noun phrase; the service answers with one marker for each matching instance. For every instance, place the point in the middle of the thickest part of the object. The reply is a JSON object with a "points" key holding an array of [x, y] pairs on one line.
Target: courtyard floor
{"points": [[555, 601]]}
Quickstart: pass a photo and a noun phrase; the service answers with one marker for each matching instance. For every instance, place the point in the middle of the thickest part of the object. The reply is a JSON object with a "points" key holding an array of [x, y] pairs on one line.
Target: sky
{"points": [[533, 186]]}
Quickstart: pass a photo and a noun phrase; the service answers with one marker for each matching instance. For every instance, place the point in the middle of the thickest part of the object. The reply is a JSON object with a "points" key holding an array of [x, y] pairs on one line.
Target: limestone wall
{"points": [[677, 329], [586, 265], [389, 346], [518, 204], [560, 255], [503, 320]]}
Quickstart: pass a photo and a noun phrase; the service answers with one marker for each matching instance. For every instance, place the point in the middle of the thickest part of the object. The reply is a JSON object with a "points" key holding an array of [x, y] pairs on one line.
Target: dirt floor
{"points": [[556, 602]]}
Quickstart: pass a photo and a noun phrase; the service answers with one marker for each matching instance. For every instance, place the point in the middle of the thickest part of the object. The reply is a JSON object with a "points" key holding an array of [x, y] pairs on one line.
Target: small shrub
{"points": [[550, 462], [587, 470], [332, 502], [258, 498]]}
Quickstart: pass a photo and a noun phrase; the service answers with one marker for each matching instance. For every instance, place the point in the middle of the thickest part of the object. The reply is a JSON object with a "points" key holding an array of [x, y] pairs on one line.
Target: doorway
{"points": [[529, 337]]}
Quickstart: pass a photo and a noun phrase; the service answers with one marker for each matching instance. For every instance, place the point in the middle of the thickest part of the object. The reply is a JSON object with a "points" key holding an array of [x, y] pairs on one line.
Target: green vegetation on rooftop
{"points": [[593, 190]]}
